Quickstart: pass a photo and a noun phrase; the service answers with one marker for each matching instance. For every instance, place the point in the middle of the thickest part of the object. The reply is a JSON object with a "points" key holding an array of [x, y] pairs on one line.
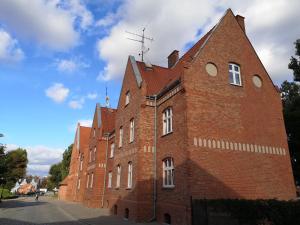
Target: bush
{"points": [[6, 194]]}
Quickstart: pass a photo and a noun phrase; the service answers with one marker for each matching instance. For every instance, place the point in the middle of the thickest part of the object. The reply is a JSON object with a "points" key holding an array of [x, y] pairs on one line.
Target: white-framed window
{"points": [[94, 155], [127, 98], [129, 176], [118, 176], [78, 184], [167, 121], [109, 183], [235, 74], [88, 181], [81, 163], [90, 159], [131, 131], [168, 173], [92, 180], [94, 132], [112, 150], [121, 137]]}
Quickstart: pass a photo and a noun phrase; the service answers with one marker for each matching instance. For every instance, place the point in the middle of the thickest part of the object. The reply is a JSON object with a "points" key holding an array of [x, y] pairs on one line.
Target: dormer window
{"points": [[127, 98], [235, 74]]}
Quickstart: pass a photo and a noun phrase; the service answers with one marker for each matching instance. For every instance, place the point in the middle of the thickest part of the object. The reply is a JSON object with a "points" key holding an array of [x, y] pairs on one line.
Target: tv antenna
{"points": [[142, 41], [106, 99]]}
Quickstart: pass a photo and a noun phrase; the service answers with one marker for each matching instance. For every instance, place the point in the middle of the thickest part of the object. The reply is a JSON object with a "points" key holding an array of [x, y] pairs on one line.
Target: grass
{"points": [[6, 193]]}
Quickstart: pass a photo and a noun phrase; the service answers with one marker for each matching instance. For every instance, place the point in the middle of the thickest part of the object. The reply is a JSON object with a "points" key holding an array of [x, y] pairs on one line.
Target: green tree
{"points": [[16, 163], [55, 177], [59, 171], [3, 167], [65, 164], [295, 63]]}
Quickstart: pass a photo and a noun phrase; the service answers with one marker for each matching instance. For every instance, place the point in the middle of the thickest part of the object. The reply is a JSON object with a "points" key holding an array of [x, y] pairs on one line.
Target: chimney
{"points": [[241, 21], [173, 58]]}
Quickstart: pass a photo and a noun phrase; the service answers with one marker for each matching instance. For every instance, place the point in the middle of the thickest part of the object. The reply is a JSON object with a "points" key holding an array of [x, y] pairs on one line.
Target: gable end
{"points": [[136, 71]]}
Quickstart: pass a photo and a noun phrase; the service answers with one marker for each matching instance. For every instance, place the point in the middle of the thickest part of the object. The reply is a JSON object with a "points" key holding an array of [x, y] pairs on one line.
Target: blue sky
{"points": [[57, 57]]}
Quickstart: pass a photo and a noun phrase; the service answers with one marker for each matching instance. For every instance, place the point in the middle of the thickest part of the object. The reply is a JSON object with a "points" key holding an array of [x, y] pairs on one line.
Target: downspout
{"points": [[105, 166], [154, 160]]}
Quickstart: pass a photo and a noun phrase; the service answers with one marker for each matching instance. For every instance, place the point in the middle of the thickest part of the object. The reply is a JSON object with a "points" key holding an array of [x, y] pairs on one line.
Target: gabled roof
{"points": [[108, 119], [157, 78], [84, 133]]}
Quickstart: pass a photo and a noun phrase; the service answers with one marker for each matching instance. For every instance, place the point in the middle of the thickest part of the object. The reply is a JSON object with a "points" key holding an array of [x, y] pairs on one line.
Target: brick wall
{"points": [[248, 118]]}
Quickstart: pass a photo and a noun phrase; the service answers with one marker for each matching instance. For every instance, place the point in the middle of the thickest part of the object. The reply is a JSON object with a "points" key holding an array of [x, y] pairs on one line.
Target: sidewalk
{"points": [[91, 216]]}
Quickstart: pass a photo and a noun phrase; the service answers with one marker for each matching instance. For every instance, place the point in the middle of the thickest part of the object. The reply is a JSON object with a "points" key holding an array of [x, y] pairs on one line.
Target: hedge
{"points": [[257, 212]]}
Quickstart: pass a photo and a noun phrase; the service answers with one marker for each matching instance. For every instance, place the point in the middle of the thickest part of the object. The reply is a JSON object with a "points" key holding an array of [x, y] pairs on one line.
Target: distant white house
{"points": [[15, 188], [24, 187], [44, 190]]}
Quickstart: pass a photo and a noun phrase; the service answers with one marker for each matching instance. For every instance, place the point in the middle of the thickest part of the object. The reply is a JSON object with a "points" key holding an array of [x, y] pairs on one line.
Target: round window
{"points": [[257, 81], [211, 69]]}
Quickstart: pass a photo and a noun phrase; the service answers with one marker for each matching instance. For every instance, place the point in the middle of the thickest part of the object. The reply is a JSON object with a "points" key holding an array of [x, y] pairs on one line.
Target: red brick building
{"points": [[208, 126], [70, 187]]}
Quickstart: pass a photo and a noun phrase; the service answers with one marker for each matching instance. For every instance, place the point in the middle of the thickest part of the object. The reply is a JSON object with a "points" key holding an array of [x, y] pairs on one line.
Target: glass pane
{"points": [[230, 67], [172, 181], [169, 177], [237, 79], [231, 77], [236, 68], [165, 178]]}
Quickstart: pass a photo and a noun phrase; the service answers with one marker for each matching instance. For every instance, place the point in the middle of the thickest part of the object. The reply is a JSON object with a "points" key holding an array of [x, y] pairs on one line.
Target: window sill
{"points": [[167, 134], [117, 188], [237, 85], [129, 188], [168, 187]]}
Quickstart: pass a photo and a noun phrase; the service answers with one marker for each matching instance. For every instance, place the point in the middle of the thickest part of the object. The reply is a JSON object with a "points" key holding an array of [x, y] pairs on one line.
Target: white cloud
{"points": [[66, 65], [83, 122], [57, 92], [92, 95], [49, 23], [77, 104], [271, 26], [40, 158], [79, 10], [70, 65], [9, 50], [108, 20]]}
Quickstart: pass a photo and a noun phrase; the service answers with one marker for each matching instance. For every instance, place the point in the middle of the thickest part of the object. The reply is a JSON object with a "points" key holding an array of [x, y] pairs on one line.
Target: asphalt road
{"points": [[49, 211]]}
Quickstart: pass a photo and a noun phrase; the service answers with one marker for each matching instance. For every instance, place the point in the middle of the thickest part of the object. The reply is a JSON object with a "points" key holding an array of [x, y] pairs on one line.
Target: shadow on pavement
{"points": [[102, 220], [19, 204]]}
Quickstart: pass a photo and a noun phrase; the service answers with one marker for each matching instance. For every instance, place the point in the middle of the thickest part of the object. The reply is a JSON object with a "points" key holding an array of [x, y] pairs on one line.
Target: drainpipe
{"points": [[154, 160], [104, 180]]}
